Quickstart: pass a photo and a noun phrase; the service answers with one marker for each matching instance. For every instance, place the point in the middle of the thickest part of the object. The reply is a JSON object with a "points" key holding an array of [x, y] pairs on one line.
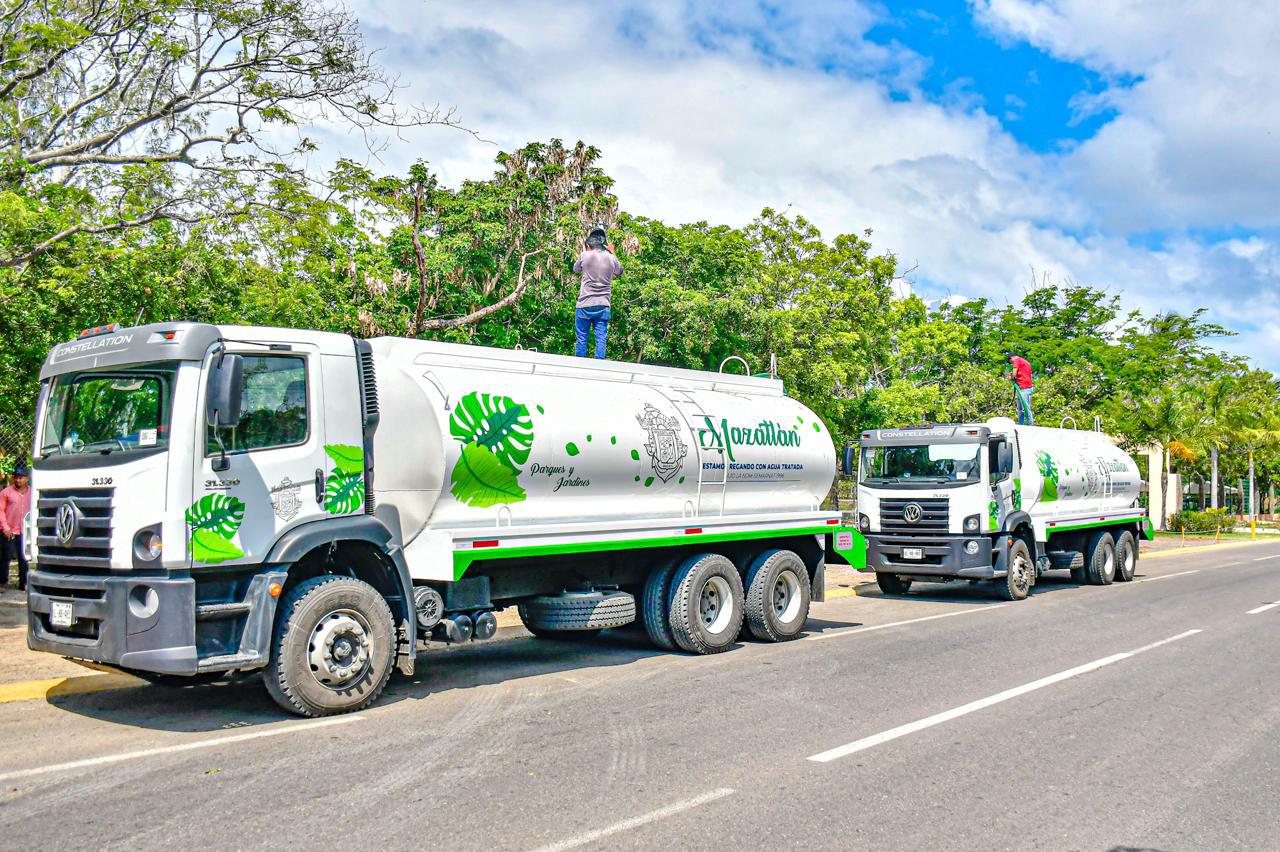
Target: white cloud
{"points": [[716, 114]]}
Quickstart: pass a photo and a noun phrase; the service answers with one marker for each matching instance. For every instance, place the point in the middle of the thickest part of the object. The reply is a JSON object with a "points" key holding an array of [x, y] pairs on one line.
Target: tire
{"points": [[1126, 557], [1063, 560], [576, 613], [777, 596], [655, 609], [706, 604], [318, 620], [892, 584], [1015, 585], [1100, 561]]}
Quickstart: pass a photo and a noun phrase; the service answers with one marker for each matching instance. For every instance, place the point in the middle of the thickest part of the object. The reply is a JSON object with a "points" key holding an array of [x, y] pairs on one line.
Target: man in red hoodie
{"points": [[15, 502], [1022, 385]]}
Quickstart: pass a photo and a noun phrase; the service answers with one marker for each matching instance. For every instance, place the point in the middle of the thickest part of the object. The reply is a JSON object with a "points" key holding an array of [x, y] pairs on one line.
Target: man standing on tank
{"points": [[598, 266], [1022, 386]]}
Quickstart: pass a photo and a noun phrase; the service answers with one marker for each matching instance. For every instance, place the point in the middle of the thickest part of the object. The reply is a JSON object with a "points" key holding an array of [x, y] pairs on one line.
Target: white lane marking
{"points": [[1259, 609], [1230, 564], [982, 703], [852, 630], [291, 728], [1167, 576], [1264, 558], [636, 822]]}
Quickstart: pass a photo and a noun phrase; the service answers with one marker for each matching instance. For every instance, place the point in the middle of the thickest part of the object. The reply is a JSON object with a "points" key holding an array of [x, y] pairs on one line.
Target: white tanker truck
{"points": [[997, 501], [212, 500]]}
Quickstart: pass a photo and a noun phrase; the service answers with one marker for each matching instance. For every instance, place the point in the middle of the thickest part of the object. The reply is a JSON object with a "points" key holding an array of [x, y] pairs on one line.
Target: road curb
{"points": [[1202, 548], [29, 690]]}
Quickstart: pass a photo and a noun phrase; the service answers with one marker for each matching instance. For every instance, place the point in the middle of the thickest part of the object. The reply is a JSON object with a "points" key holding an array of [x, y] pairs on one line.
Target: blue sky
{"points": [[1134, 146]]}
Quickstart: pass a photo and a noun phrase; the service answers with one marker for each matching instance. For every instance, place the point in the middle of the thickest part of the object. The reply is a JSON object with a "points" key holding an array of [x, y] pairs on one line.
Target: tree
{"points": [[465, 254], [121, 113], [1160, 418]]}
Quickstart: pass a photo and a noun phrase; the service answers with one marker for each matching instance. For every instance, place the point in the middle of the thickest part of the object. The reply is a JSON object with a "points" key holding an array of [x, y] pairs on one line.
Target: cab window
{"points": [[274, 406]]}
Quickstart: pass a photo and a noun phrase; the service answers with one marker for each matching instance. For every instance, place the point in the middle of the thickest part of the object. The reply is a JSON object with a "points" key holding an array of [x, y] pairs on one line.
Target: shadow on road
{"points": [[442, 669]]}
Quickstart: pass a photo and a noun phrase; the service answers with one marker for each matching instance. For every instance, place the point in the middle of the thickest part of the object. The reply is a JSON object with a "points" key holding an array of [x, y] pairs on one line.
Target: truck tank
{"points": [[474, 437], [1065, 470]]}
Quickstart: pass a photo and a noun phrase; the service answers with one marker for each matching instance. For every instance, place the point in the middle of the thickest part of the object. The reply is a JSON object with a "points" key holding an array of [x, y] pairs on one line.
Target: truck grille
{"points": [[934, 515], [90, 547]]}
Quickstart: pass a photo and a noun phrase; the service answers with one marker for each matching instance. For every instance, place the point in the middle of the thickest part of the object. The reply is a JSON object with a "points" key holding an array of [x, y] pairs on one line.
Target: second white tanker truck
{"points": [[997, 501], [213, 500]]}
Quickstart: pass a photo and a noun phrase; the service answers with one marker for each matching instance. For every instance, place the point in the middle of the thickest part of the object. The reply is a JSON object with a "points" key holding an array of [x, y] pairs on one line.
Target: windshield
{"points": [[922, 463], [108, 411]]}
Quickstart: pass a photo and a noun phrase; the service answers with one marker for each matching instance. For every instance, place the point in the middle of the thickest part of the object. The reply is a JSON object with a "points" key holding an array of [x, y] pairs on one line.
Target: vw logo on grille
{"points": [[68, 520], [911, 513]]}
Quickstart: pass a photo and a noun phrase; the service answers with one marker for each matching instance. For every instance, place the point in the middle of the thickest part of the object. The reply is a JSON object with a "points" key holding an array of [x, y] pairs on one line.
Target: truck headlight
{"points": [[971, 523], [147, 545], [864, 523], [971, 547]]}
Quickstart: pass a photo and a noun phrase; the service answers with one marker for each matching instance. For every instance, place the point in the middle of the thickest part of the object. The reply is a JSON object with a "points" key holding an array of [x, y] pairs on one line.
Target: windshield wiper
{"points": [[44, 451], [111, 444]]}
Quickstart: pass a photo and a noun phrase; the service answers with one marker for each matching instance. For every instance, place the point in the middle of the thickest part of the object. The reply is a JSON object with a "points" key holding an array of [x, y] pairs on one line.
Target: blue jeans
{"points": [[585, 319], [1024, 406]]}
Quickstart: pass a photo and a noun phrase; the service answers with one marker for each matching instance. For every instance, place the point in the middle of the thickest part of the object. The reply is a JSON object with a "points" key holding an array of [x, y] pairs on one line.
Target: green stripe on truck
{"points": [[1144, 526], [462, 559]]}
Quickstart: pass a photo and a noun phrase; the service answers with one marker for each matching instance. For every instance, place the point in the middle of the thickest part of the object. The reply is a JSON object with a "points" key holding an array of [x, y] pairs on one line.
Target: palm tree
{"points": [[1162, 418]]}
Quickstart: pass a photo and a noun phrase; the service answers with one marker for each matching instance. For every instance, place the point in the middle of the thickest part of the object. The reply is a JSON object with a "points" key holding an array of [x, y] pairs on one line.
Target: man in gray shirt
{"points": [[598, 266]]}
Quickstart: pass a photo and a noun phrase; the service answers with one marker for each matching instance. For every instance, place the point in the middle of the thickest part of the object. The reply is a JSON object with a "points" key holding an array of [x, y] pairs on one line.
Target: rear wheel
{"points": [[655, 608], [333, 649], [1016, 583], [777, 597], [892, 584], [1126, 556], [1100, 559], [706, 608]]}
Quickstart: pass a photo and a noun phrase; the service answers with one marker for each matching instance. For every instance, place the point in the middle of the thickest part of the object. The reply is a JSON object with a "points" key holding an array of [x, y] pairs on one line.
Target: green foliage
{"points": [[480, 480], [344, 486], [216, 513], [1202, 522], [498, 423]]}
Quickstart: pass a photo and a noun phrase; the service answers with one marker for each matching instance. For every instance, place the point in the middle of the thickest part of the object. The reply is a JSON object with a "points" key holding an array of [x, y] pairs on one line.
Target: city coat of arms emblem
{"points": [[285, 499], [665, 447]]}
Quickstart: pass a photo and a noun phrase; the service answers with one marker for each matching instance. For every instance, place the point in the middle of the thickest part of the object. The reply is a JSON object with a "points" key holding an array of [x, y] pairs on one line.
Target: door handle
{"points": [[319, 486]]}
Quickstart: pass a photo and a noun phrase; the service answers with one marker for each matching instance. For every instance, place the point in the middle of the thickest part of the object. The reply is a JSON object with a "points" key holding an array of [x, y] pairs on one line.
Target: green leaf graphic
{"points": [[348, 459], [497, 422], [993, 515], [208, 546], [1049, 487], [480, 480], [343, 493], [216, 513]]}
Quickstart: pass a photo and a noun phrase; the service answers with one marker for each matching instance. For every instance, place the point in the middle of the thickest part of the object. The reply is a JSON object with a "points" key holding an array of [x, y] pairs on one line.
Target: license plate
{"points": [[912, 553], [61, 613]]}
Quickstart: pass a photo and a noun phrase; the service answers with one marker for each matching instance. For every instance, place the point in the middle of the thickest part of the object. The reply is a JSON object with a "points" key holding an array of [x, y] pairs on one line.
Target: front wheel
{"points": [[892, 584], [1015, 585], [333, 649]]}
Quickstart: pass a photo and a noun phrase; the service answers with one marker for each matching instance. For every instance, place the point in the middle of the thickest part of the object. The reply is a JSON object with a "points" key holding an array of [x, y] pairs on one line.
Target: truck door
{"points": [[275, 479], [1006, 494]]}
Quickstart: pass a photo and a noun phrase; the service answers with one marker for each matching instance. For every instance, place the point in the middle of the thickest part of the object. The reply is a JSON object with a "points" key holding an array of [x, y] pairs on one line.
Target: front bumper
{"points": [[145, 623], [942, 556]]}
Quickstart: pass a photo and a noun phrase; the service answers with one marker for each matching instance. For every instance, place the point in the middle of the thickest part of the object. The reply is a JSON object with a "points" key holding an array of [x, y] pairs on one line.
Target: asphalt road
{"points": [[1136, 716]]}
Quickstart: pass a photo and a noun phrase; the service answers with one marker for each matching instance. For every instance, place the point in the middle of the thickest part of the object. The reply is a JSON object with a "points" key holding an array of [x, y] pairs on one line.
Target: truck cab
{"points": [[940, 502], [998, 501], [182, 469]]}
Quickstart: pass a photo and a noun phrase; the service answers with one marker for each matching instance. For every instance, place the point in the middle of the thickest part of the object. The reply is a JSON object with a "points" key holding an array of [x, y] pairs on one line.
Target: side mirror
{"points": [[1004, 459], [846, 463], [226, 387]]}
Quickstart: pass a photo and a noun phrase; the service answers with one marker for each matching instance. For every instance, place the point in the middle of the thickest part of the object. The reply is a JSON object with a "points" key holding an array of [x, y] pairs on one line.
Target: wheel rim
{"points": [[338, 649], [1021, 572], [1109, 563], [1128, 562], [715, 605], [786, 596]]}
